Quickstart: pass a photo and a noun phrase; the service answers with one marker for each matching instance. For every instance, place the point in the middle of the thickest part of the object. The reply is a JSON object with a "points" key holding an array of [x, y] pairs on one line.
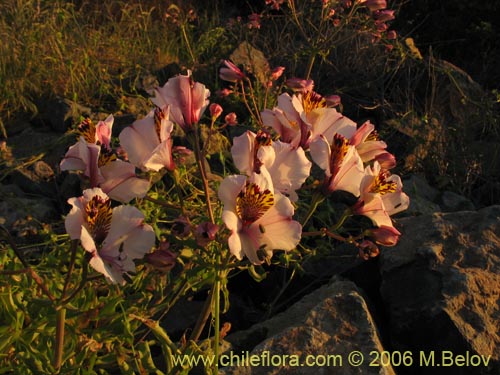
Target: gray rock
{"points": [[61, 114], [16, 209], [326, 325], [441, 288], [422, 196], [451, 202]]}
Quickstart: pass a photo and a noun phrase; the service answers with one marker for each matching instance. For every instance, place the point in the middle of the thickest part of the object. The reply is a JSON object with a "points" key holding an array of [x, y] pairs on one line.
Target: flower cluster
{"points": [[116, 236], [258, 204]]}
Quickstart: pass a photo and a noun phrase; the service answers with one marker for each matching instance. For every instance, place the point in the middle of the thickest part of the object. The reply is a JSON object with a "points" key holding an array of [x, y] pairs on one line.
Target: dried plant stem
{"points": [[59, 344], [203, 317]]}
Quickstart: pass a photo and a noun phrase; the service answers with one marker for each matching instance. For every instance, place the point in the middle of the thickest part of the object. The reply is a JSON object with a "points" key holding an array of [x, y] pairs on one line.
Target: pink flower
{"points": [[367, 142], [121, 183], [374, 210], [380, 182], [382, 16], [230, 72], [277, 72], [391, 35], [148, 143], [340, 161], [187, 100], [99, 134], [231, 119], [205, 233], [384, 235], [374, 5], [301, 118], [163, 259], [113, 237], [275, 4], [116, 177], [215, 110], [260, 221], [299, 84], [367, 250], [224, 92], [288, 166], [333, 100], [254, 21]]}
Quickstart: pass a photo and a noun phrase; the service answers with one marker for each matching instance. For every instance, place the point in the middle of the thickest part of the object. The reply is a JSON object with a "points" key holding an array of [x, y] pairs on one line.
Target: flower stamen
{"points": [[98, 214], [105, 156], [252, 203], [339, 149], [381, 185], [312, 100], [87, 130], [159, 116]]}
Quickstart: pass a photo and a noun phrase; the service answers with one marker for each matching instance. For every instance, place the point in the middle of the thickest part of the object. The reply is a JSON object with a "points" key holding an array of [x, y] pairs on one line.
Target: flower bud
{"points": [[205, 232], [383, 15], [230, 72], [384, 235], [231, 119], [277, 72], [215, 110], [391, 35], [162, 258], [300, 85], [367, 250]]}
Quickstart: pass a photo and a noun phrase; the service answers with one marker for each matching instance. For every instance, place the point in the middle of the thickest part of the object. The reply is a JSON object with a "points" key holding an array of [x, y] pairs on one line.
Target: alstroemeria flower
{"points": [[114, 237], [340, 161], [374, 5], [301, 118], [260, 221], [378, 181], [116, 177], [299, 84], [148, 143], [230, 72], [99, 134], [187, 100], [369, 146], [373, 209], [386, 236], [288, 166]]}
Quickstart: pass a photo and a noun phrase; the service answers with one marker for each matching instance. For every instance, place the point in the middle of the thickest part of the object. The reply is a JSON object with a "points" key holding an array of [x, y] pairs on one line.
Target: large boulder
{"points": [[441, 289], [325, 327]]}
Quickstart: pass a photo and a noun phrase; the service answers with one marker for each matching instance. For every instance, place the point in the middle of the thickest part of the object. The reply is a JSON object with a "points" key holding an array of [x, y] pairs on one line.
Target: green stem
{"points": [[201, 166], [245, 101], [188, 45], [59, 345], [317, 198], [312, 59], [74, 247]]}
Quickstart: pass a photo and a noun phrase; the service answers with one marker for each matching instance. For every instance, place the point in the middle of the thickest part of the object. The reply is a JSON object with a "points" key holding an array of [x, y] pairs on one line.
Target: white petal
{"points": [[242, 152], [124, 221], [320, 153], [228, 190], [74, 219], [161, 157], [121, 183], [112, 275]]}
